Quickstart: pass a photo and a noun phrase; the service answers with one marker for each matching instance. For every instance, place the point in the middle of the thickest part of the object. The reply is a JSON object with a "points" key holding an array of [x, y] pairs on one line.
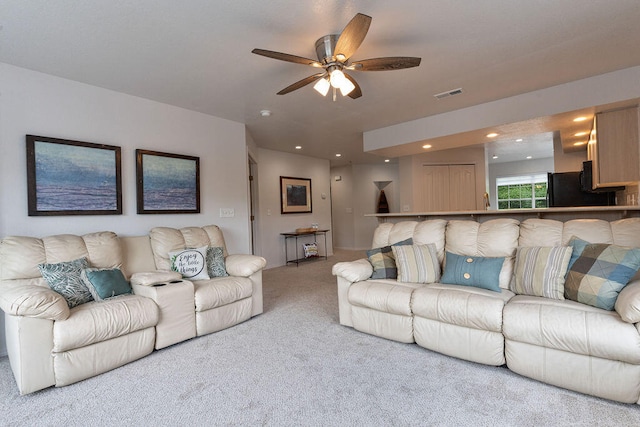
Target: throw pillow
{"points": [[417, 263], [383, 261], [215, 262], [578, 246], [64, 278], [599, 274], [191, 263], [104, 283], [540, 271], [480, 272]]}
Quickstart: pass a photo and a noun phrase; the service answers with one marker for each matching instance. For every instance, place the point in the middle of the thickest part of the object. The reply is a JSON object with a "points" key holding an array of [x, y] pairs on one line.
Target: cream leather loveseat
{"points": [[50, 344], [558, 341]]}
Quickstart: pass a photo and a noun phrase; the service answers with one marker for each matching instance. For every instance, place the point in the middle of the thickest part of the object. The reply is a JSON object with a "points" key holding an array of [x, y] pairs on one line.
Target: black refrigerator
{"points": [[564, 190]]}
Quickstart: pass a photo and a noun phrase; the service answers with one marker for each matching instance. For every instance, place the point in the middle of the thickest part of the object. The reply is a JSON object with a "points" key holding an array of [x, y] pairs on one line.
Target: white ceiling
{"points": [[196, 54]]}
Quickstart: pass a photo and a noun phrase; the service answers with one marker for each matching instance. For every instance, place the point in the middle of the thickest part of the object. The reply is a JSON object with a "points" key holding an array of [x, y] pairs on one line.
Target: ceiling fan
{"points": [[334, 52]]}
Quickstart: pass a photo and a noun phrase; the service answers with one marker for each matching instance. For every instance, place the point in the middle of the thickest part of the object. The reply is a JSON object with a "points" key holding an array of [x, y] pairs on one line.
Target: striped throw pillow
{"points": [[417, 263], [540, 271]]}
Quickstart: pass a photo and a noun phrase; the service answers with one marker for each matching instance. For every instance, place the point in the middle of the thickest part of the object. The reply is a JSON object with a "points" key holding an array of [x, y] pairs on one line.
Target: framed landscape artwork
{"points": [[167, 183], [66, 177], [295, 195]]}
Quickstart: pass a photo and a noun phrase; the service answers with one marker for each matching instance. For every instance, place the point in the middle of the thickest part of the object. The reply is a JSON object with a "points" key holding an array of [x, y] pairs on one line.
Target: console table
{"points": [[295, 235]]}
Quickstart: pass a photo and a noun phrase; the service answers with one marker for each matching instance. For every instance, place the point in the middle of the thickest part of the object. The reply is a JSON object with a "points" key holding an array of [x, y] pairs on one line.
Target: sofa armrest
{"points": [[628, 302], [354, 271], [149, 278], [18, 298], [243, 265]]}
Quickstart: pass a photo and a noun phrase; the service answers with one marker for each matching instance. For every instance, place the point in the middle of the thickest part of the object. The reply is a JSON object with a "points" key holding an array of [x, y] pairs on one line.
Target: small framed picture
{"points": [[295, 195], [167, 183], [66, 177]]}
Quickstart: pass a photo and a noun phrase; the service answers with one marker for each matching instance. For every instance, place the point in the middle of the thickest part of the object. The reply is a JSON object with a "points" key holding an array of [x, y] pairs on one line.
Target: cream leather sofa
{"points": [[50, 344], [560, 342]]}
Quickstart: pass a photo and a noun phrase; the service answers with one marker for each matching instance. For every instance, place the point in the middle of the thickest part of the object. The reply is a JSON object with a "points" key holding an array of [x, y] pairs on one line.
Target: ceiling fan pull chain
{"points": [[334, 94]]}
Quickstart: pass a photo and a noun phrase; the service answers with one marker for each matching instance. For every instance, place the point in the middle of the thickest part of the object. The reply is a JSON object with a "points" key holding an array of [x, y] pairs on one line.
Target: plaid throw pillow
{"points": [[383, 261], [599, 273]]}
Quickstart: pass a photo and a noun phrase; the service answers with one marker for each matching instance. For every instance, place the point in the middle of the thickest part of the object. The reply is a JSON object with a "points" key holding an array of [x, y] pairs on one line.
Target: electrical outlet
{"points": [[227, 213]]}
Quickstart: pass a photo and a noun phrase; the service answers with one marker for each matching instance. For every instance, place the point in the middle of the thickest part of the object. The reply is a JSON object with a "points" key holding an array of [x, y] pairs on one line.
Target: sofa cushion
{"points": [[105, 283], [95, 322], [387, 296], [540, 271], [383, 260], [417, 263], [191, 263], [480, 272], [461, 305], [215, 262], [600, 272], [571, 327], [65, 279], [221, 291]]}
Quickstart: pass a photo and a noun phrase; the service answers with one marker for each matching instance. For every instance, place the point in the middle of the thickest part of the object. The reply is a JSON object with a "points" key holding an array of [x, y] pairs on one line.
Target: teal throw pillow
{"points": [[64, 278], [104, 283], [383, 261], [480, 272]]}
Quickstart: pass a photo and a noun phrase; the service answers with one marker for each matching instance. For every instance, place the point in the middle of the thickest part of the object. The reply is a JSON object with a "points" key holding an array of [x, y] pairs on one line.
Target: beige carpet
{"points": [[295, 365]]}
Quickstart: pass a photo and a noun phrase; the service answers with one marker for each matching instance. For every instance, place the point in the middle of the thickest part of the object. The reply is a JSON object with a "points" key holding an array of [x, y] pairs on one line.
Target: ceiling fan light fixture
{"points": [[337, 78], [347, 87], [322, 86]]}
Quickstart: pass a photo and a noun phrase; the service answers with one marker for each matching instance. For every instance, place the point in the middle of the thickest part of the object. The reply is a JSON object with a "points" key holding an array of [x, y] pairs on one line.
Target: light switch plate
{"points": [[227, 213]]}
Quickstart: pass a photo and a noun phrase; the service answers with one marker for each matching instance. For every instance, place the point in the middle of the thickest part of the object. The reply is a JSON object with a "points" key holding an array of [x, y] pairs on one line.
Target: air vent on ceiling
{"points": [[448, 93]]}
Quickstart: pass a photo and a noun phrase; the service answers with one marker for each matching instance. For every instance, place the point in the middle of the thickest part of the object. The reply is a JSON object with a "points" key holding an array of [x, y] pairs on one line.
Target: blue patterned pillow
{"points": [[64, 278], [599, 273], [215, 262], [480, 272]]}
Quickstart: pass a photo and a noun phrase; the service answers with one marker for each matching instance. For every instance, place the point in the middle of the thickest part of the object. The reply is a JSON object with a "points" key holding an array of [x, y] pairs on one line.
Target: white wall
{"points": [[35, 103], [271, 166], [357, 195]]}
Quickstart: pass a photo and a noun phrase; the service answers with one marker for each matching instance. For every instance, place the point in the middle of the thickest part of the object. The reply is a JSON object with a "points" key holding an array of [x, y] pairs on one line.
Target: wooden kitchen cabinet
{"points": [[614, 148]]}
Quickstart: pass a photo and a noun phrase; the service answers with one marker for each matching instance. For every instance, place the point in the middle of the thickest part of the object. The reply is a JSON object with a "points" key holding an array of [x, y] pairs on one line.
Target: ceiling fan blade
{"points": [[301, 83], [352, 36], [357, 92], [286, 57], [385, 64]]}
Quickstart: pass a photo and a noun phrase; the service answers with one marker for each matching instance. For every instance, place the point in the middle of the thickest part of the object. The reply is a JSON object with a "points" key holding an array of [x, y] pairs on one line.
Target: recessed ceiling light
{"points": [[386, 160], [492, 135], [581, 134], [529, 157], [580, 119], [298, 147], [426, 146], [265, 113], [495, 156], [579, 143], [519, 140], [338, 155]]}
